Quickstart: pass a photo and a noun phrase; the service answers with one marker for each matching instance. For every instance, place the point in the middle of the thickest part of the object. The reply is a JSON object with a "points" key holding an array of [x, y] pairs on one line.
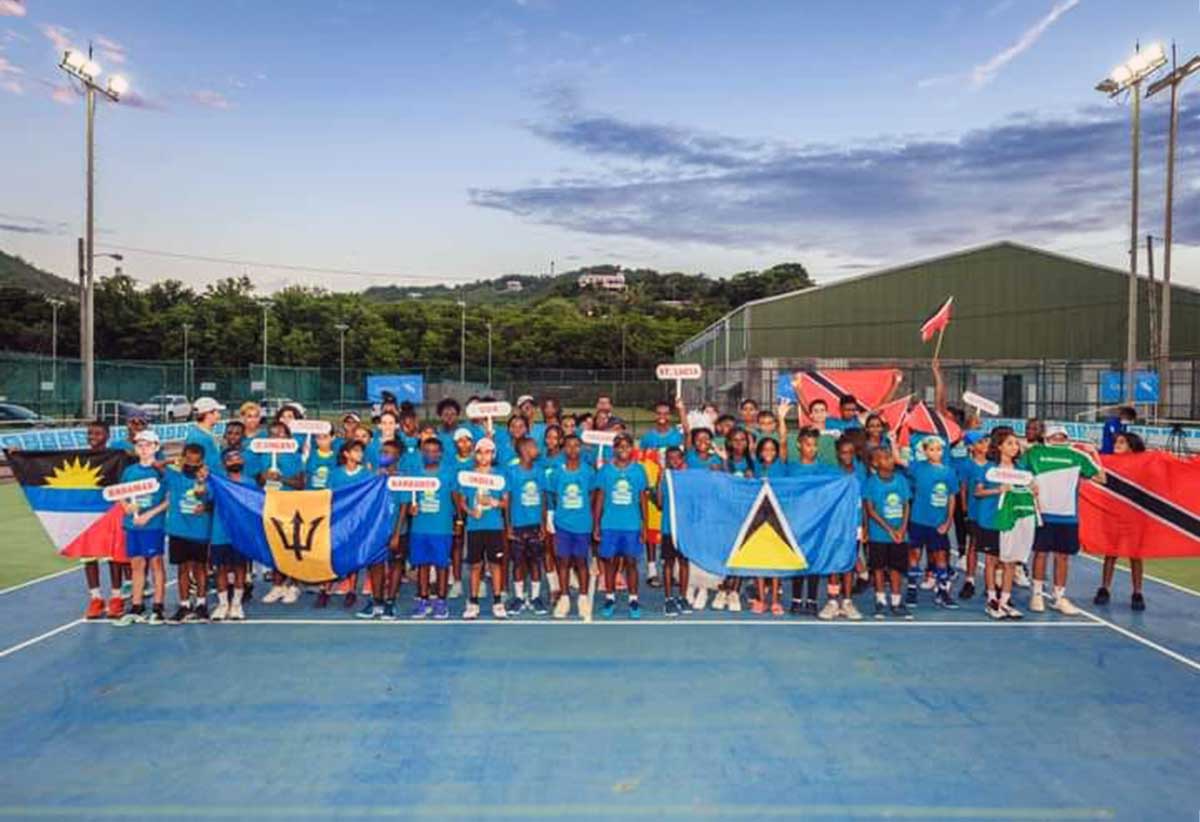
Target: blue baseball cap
{"points": [[973, 437]]}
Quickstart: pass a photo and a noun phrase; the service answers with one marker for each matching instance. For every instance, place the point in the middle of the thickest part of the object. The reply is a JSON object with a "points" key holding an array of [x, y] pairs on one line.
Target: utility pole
{"points": [[489, 330], [82, 298], [342, 328], [186, 328], [462, 345], [1173, 81]]}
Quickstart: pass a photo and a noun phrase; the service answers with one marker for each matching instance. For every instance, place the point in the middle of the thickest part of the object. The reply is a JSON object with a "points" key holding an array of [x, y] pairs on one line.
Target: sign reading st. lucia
{"points": [[732, 526]]}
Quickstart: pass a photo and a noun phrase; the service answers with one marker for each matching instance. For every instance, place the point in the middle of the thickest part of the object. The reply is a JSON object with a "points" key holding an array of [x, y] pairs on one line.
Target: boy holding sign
{"points": [[483, 501], [144, 536], [431, 530], [619, 522], [189, 523]]}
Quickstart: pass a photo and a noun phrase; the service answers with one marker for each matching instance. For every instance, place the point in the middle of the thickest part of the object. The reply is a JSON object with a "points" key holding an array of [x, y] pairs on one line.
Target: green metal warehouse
{"points": [[1034, 330]]}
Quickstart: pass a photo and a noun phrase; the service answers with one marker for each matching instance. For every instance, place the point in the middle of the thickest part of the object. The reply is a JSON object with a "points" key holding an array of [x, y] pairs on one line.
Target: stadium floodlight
{"points": [[83, 68], [1128, 76], [342, 328]]}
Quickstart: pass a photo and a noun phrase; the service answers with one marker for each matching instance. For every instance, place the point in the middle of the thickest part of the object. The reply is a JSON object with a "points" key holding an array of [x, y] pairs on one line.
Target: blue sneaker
{"points": [[538, 606], [610, 605], [635, 609], [671, 607], [367, 612], [440, 609], [684, 606], [389, 612], [514, 607], [910, 595], [420, 609]]}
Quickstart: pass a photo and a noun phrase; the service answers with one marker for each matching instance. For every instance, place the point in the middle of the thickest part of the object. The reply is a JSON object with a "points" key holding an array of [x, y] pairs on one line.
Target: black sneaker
{"points": [[199, 614], [654, 582], [247, 591], [880, 609], [901, 611], [1102, 596], [1138, 603], [968, 590], [860, 585], [942, 599], [797, 608], [910, 595], [181, 615], [810, 607]]}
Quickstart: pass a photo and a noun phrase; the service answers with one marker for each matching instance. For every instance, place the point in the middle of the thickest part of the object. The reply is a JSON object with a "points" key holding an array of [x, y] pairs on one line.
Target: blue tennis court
{"points": [[308, 714]]}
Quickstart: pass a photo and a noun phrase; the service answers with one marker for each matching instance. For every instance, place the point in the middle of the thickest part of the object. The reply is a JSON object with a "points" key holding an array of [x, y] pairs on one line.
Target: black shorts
{"points": [[667, 548], [961, 528], [526, 546], [1057, 537], [988, 540], [888, 556], [483, 545], [186, 550]]}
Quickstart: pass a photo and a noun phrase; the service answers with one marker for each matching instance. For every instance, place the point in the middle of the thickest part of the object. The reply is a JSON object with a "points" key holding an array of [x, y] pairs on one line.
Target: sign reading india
{"points": [[415, 484], [679, 371], [482, 410], [274, 445], [601, 438], [129, 490], [313, 427], [478, 479]]}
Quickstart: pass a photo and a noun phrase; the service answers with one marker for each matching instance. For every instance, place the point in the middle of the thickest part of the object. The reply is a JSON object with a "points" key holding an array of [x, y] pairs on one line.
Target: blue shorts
{"points": [[142, 543], [429, 549], [1057, 537], [225, 555], [927, 537], [620, 544], [569, 545]]}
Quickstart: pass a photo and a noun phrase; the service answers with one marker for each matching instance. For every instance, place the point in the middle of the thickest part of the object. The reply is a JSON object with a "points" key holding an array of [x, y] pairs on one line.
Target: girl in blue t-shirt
{"points": [[934, 484]]}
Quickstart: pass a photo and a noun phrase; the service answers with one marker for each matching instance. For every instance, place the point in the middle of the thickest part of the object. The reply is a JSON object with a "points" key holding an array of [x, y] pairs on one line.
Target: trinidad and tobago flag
{"points": [[1149, 507], [869, 387], [905, 422], [937, 322]]}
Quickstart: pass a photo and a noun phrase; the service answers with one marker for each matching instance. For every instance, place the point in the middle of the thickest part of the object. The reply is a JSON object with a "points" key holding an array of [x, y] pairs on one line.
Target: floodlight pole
{"points": [[1131, 336], [186, 328], [462, 345], [342, 328]]}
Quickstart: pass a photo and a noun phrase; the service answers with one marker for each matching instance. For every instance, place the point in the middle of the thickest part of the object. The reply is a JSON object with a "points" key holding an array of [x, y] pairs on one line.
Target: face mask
{"points": [[234, 467], [190, 470], [430, 459], [386, 461]]}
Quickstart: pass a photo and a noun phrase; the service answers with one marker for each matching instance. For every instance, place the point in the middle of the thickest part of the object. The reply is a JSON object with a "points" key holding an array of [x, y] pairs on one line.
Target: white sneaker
{"points": [[220, 613], [291, 594], [928, 584], [471, 611], [499, 611], [718, 602], [831, 610], [700, 601], [236, 614], [1009, 611], [562, 607], [1037, 603], [275, 594], [733, 601], [1065, 606], [455, 590], [1021, 577], [849, 611], [585, 606], [960, 564]]}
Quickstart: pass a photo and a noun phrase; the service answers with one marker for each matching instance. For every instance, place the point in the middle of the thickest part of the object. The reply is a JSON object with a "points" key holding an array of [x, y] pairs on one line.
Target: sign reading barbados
{"points": [[311, 536], [733, 526]]}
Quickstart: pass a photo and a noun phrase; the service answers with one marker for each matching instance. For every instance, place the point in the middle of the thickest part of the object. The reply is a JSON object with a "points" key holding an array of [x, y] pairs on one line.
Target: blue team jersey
{"points": [[986, 507], [133, 473], [290, 466], [807, 469], [411, 442], [622, 489], [341, 476], [446, 438], [971, 475], [219, 535], [207, 440], [572, 496], [664, 527], [1108, 437], [551, 463], [525, 489], [888, 498], [319, 468], [712, 461], [435, 509], [740, 467], [660, 441], [858, 470], [187, 514], [776, 470], [491, 518], [840, 425], [933, 487]]}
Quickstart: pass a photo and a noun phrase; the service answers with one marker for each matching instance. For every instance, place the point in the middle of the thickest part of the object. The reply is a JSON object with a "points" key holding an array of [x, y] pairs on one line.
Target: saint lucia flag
{"points": [[732, 526], [311, 536]]}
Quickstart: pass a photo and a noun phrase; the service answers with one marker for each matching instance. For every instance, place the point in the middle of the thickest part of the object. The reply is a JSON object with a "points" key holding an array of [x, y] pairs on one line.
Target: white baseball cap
{"points": [[205, 404], [147, 436], [524, 398], [1055, 431], [485, 443], [460, 433]]}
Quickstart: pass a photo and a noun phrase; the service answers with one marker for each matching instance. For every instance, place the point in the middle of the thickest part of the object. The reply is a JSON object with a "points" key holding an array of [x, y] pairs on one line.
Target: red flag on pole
{"points": [[937, 322], [1149, 507]]}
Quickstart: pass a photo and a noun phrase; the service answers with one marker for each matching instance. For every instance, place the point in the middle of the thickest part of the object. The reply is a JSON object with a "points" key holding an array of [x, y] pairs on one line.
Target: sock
{"points": [[139, 608], [1038, 587], [94, 592], [914, 577], [1004, 598], [943, 579], [651, 570], [610, 597], [222, 598], [237, 596], [895, 600], [1059, 593], [881, 597], [797, 601], [474, 600], [633, 600], [552, 579], [158, 608], [519, 589], [495, 599], [535, 588]]}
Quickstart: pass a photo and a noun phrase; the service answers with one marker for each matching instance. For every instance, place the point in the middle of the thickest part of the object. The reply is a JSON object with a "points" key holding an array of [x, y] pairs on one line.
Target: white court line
{"points": [[35, 581], [35, 640], [627, 623], [1165, 651], [1150, 577]]}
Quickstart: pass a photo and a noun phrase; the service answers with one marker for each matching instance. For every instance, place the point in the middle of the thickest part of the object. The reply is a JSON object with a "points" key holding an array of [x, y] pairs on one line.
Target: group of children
{"points": [[569, 515]]}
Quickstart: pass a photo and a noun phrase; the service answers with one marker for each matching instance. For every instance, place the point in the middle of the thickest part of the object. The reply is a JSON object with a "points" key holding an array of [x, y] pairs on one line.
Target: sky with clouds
{"points": [[348, 143]]}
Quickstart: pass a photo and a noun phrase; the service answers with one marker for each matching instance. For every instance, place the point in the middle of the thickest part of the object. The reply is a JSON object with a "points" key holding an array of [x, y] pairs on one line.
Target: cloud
{"points": [[112, 51], [57, 35], [983, 73], [12, 8], [211, 99], [22, 224], [1026, 177], [64, 94]]}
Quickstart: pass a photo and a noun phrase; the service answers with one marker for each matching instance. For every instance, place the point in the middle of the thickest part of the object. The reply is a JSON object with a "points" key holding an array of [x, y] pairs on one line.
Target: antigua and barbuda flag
{"points": [[732, 526], [65, 489], [311, 536]]}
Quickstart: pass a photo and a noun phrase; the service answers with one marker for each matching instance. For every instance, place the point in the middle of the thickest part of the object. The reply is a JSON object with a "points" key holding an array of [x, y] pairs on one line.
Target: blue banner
{"points": [[732, 526], [312, 536], [410, 387]]}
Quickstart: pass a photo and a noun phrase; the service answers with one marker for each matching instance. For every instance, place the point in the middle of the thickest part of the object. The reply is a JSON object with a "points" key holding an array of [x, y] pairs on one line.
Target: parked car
{"points": [[168, 408], [118, 412], [11, 413]]}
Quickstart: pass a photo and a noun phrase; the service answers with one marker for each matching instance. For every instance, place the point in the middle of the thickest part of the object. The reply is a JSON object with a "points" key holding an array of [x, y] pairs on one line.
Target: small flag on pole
{"points": [[938, 322]]}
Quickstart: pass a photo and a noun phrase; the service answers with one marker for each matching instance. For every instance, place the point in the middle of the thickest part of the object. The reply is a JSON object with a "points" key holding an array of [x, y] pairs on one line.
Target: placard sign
{"points": [[416, 485], [488, 410], [478, 479], [310, 427], [679, 371], [1009, 476], [128, 490], [274, 446], [982, 403]]}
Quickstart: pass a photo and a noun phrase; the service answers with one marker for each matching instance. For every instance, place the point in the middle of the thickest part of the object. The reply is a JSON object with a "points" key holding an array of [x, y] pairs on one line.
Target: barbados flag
{"points": [[732, 526], [311, 536], [65, 489]]}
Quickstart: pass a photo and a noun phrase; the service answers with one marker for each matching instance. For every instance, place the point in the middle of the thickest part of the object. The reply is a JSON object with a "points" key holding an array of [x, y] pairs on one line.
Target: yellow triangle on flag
{"points": [[765, 549]]}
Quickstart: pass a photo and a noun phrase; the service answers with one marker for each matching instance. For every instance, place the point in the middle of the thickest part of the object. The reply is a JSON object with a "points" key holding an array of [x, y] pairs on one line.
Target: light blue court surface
{"points": [[729, 715]]}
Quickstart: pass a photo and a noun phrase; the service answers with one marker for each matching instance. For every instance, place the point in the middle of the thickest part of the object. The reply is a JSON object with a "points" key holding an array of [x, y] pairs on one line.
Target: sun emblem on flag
{"points": [[75, 474]]}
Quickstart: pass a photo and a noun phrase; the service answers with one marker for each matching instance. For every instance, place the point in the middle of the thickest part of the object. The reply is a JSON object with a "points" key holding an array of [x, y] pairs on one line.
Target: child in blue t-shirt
{"points": [[570, 498], [619, 522], [322, 460], [672, 558], [189, 524], [486, 511], [933, 487], [431, 531], [886, 503], [223, 555], [143, 524], [526, 527]]}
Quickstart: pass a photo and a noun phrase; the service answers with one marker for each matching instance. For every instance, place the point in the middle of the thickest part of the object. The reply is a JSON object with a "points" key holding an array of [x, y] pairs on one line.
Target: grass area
{"points": [[27, 552], [1185, 572]]}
